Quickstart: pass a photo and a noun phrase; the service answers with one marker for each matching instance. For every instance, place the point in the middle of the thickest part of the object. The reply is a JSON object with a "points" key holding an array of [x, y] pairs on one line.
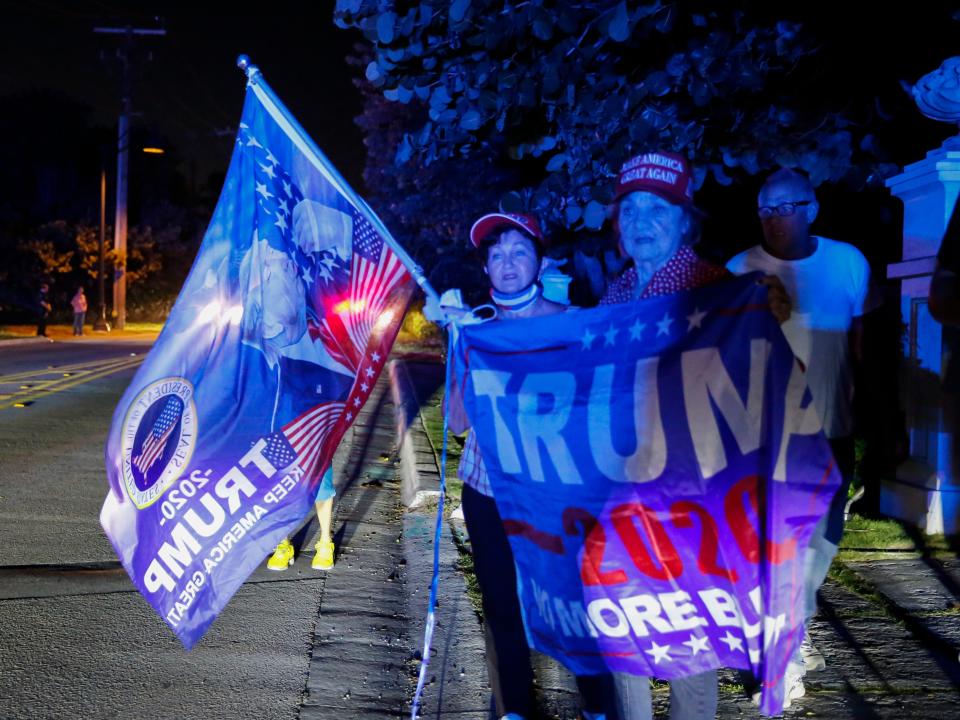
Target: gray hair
{"points": [[787, 176]]}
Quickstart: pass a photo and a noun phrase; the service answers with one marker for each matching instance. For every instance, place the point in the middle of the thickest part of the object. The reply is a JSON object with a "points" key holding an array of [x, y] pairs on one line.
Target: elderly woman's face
{"points": [[512, 263], [651, 228]]}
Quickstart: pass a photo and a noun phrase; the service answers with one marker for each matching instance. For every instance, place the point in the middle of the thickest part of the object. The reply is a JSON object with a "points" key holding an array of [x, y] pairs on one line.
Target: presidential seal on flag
{"points": [[159, 433]]}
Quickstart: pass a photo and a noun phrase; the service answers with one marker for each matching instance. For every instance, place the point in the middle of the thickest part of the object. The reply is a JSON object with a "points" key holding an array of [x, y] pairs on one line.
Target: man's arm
{"points": [[457, 419], [855, 336], [943, 301]]}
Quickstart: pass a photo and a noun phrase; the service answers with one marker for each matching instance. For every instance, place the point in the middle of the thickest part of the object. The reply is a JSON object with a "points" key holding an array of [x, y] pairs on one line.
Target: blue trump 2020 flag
{"points": [[659, 467], [277, 338]]}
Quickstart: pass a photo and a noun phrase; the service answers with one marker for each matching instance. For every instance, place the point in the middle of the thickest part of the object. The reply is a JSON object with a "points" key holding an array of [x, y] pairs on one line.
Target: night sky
{"points": [[190, 94]]}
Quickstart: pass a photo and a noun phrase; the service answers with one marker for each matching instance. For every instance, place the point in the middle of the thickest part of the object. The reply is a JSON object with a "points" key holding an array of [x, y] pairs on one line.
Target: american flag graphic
{"points": [[278, 451], [356, 300], [374, 273], [156, 440]]}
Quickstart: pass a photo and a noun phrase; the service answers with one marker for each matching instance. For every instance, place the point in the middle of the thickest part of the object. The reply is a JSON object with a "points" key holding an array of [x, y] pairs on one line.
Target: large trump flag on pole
{"points": [[217, 447]]}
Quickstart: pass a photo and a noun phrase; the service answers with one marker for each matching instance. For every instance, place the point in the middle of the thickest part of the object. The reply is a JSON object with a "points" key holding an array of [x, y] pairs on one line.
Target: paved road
{"points": [[76, 640], [52, 480]]}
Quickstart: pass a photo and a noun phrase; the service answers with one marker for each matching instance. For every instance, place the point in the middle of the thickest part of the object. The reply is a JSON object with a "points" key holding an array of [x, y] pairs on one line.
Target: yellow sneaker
{"points": [[323, 560], [282, 557]]}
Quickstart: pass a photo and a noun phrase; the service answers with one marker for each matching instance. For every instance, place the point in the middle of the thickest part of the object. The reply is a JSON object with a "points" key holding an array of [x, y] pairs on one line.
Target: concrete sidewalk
{"points": [[368, 638]]}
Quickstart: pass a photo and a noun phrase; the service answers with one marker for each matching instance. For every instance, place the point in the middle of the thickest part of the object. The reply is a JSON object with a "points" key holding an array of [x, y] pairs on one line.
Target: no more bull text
{"points": [[663, 613]]}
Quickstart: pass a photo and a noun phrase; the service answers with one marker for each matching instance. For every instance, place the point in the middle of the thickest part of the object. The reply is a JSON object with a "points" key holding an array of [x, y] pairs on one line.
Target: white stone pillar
{"points": [[926, 489]]}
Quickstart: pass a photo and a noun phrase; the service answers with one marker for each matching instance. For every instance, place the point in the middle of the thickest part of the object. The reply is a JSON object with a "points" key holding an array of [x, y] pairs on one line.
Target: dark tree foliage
{"points": [[428, 206], [562, 92]]}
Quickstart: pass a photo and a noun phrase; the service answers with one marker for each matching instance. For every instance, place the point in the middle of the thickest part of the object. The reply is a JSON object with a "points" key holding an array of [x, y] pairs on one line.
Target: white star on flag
{"points": [[287, 188], [663, 326], [369, 372], [271, 159], [732, 641], [356, 402], [697, 644], [609, 335], [695, 319], [281, 222], [262, 189], [376, 357], [587, 339], [252, 142], [284, 208], [364, 387], [658, 652], [636, 330], [268, 170], [349, 417]]}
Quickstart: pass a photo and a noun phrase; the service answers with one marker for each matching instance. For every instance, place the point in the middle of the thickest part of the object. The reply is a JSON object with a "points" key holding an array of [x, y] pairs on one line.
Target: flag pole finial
{"points": [[243, 62]]}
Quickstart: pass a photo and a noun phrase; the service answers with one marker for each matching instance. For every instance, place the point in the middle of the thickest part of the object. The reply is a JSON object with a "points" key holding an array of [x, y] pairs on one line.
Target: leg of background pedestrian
{"points": [[824, 543], [825, 540], [507, 654], [694, 697], [323, 559], [632, 697], [844, 454]]}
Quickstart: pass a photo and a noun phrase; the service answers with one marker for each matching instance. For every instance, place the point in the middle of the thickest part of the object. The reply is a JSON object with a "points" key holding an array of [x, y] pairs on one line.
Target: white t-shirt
{"points": [[828, 290]]}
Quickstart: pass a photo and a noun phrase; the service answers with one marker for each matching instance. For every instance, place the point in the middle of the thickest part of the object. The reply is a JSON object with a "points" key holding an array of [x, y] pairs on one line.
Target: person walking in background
{"points": [[43, 310], [79, 303]]}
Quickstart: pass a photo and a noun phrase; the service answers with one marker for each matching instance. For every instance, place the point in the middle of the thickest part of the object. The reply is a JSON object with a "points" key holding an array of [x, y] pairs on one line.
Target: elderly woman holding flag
{"points": [[656, 225], [511, 248]]}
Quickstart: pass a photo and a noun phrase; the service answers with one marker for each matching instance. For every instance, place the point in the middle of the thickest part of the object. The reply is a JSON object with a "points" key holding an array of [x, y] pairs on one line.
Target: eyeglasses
{"points": [[783, 209]]}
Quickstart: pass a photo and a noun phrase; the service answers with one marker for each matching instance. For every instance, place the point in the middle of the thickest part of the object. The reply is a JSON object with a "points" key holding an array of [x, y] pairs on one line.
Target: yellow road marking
{"points": [[50, 387], [60, 369]]}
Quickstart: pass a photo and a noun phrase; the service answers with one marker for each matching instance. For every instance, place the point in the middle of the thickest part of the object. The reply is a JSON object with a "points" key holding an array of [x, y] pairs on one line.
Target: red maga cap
{"points": [[490, 222], [665, 174]]}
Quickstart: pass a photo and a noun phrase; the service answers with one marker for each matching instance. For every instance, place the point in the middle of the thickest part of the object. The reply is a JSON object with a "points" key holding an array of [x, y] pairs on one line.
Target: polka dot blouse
{"points": [[684, 271]]}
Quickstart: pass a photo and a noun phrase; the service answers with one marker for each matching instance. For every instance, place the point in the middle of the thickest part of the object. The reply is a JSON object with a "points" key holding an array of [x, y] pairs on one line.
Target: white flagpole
{"points": [[309, 148]]}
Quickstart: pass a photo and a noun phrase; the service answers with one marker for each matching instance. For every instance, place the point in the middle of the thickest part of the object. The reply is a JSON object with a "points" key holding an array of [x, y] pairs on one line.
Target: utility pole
{"points": [[126, 58], [100, 323]]}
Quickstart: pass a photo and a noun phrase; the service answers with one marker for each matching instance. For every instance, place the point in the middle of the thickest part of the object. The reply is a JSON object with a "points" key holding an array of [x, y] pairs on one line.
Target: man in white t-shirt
{"points": [[828, 283]]}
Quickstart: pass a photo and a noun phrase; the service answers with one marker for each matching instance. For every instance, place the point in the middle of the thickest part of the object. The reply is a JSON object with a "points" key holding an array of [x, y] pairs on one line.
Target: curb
{"points": [[25, 341], [416, 486]]}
